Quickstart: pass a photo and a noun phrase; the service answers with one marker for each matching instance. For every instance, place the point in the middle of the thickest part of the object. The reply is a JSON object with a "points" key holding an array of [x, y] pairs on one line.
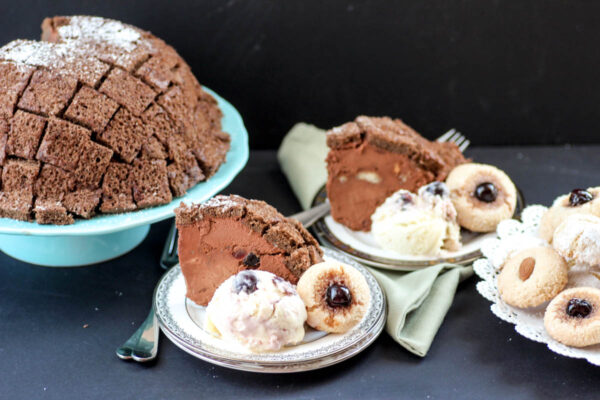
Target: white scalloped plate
{"points": [[512, 236], [177, 319]]}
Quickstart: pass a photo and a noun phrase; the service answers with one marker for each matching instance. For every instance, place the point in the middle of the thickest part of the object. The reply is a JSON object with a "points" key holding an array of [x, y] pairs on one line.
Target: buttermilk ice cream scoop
{"points": [[257, 310], [417, 224]]}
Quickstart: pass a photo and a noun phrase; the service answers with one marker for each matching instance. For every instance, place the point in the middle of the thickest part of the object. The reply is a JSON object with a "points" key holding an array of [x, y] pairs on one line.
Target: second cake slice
{"points": [[371, 158]]}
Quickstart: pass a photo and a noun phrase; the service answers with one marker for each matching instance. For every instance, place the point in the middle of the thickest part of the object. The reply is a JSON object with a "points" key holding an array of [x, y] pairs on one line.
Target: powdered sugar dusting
{"points": [[19, 51], [223, 202], [577, 239], [112, 41], [101, 30], [66, 57], [49, 55]]}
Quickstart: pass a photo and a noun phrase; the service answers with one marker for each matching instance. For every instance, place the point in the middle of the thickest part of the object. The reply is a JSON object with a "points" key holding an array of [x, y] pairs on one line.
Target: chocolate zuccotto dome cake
{"points": [[100, 117], [229, 234]]}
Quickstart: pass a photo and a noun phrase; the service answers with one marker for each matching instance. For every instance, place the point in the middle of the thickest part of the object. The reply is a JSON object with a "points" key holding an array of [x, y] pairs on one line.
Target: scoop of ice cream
{"points": [[258, 310], [417, 224], [437, 196], [577, 239]]}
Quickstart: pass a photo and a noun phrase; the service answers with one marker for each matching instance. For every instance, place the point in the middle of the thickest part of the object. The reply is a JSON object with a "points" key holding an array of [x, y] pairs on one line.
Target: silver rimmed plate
{"points": [[182, 322], [361, 246]]}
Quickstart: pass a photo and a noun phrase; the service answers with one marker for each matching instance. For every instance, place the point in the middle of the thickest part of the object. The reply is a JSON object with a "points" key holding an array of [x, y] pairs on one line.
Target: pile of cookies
{"points": [[535, 276]]}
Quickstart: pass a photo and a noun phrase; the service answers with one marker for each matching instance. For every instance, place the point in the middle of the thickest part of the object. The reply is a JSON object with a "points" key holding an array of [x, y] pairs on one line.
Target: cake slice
{"points": [[228, 234], [371, 158]]}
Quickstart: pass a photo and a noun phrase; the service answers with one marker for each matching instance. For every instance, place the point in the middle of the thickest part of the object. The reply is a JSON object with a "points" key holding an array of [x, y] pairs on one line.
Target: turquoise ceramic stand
{"points": [[72, 251]]}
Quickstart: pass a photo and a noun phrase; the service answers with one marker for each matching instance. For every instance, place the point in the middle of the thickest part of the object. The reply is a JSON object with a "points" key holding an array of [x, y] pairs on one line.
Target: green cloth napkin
{"points": [[417, 301]]}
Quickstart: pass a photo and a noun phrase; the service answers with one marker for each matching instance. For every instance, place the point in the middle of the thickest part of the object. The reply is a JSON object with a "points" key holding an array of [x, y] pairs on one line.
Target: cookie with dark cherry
{"points": [[483, 195], [573, 317], [578, 201], [336, 296]]}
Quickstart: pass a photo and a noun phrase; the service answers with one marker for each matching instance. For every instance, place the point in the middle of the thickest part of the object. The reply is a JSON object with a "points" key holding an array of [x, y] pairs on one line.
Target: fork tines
{"points": [[456, 137]]}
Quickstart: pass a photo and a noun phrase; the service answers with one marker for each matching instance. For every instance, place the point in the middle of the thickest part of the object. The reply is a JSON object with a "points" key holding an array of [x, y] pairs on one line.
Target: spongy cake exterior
{"points": [[94, 93], [228, 234]]}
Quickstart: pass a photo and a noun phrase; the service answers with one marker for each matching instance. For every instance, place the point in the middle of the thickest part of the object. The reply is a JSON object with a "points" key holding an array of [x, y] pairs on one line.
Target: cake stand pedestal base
{"points": [[72, 251]]}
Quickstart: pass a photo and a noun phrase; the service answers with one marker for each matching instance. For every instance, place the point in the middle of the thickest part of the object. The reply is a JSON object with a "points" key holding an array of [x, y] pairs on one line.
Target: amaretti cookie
{"points": [[577, 239], [336, 296], [579, 201], [483, 195], [229, 234], [532, 277], [573, 317], [104, 117]]}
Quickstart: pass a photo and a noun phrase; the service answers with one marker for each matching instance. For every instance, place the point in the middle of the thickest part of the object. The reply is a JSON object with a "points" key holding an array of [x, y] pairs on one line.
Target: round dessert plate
{"points": [[512, 236], [362, 245], [108, 236], [182, 322]]}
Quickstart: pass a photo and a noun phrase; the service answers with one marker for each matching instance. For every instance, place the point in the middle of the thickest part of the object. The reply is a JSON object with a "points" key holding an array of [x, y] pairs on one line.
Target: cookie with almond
{"points": [[532, 277]]}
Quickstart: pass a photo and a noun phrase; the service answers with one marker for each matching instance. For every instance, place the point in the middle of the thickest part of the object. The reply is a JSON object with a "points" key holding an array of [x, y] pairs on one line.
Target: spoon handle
{"points": [[170, 256], [143, 344]]}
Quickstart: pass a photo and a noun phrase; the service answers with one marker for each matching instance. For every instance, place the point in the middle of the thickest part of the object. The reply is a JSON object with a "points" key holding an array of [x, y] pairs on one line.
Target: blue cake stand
{"points": [[105, 237]]}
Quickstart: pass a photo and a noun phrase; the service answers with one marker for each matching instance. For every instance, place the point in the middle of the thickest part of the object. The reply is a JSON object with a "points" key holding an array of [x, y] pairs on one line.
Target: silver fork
{"points": [[456, 137]]}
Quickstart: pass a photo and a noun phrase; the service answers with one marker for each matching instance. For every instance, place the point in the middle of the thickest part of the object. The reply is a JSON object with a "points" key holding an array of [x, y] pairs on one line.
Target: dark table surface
{"points": [[59, 327]]}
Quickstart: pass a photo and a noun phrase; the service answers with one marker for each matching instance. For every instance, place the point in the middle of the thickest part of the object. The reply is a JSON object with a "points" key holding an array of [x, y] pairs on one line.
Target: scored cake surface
{"points": [[100, 116], [373, 157], [228, 234]]}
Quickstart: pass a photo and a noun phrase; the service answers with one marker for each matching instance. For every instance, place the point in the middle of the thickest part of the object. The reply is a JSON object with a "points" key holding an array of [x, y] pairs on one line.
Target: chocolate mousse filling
{"points": [[229, 234]]}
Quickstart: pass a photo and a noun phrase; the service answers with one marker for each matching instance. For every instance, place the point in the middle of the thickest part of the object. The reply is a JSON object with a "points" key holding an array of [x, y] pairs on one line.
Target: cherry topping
{"points": [[579, 197], [245, 281], [405, 198], [252, 260], [486, 192], [437, 189], [239, 254], [338, 296], [578, 308]]}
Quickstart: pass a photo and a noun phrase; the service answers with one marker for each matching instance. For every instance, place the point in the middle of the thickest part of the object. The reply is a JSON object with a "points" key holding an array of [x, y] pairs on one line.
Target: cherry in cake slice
{"points": [[229, 234], [371, 158]]}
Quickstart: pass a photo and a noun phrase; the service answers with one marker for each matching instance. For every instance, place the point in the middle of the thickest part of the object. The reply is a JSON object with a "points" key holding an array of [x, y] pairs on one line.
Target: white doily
{"points": [[512, 236]]}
